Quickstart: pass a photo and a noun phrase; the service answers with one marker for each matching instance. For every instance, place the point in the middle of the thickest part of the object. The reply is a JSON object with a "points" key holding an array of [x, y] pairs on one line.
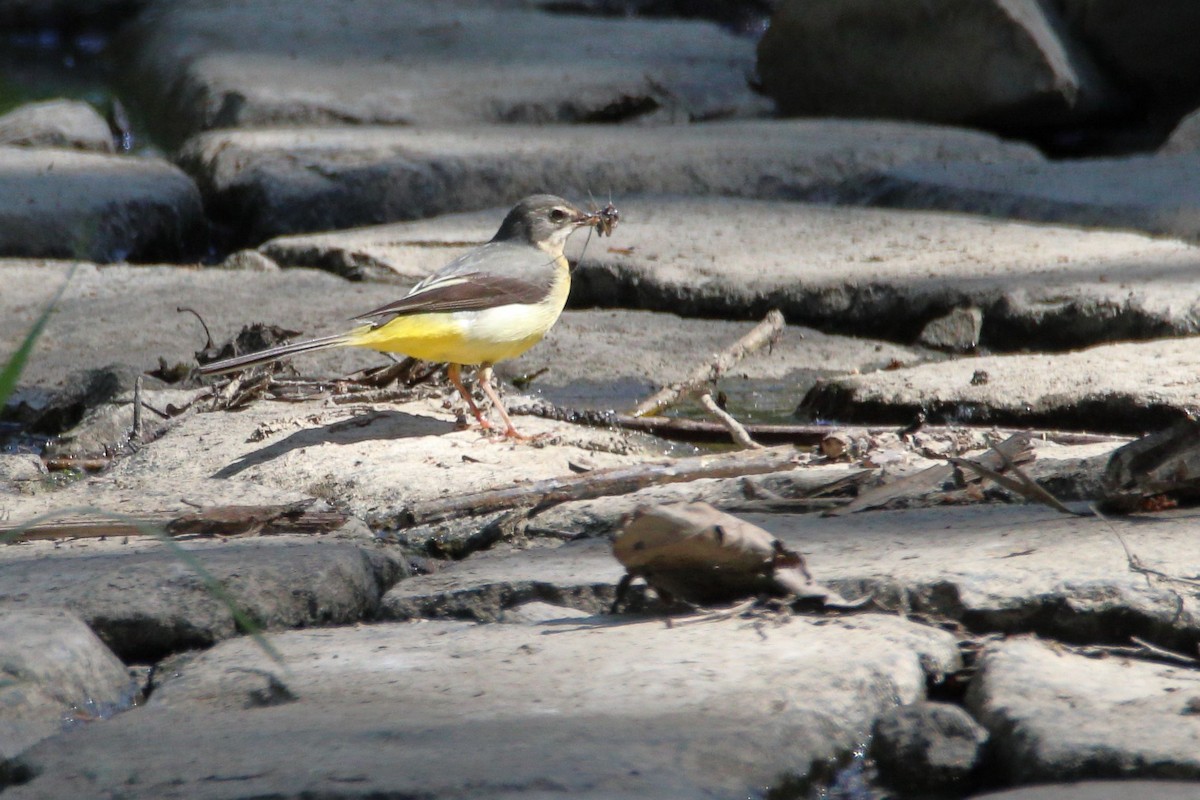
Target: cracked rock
{"points": [[927, 747], [444, 709], [1054, 715], [54, 675], [270, 182]]}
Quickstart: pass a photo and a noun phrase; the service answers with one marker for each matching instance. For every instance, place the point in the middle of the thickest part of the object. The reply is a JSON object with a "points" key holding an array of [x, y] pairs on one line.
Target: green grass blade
{"points": [[11, 371]]}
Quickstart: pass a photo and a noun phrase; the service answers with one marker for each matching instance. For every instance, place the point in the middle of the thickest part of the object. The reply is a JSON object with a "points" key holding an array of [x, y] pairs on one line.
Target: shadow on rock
{"points": [[373, 426]]}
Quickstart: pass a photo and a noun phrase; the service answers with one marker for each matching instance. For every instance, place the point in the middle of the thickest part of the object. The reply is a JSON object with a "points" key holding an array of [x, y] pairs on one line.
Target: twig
{"points": [[806, 435], [766, 332], [1015, 447], [736, 430], [1022, 485], [1163, 653], [135, 435], [598, 483], [208, 521]]}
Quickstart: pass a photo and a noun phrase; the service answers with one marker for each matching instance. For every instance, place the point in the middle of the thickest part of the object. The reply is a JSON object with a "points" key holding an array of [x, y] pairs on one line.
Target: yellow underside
{"points": [[457, 338], [470, 337]]}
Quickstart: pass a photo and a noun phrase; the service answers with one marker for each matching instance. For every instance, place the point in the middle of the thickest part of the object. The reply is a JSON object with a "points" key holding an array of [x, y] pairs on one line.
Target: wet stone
{"points": [[57, 123], [54, 674], [105, 208], [927, 747]]}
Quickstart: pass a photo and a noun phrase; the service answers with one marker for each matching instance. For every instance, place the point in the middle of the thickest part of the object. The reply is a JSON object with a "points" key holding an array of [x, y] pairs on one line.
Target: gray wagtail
{"points": [[488, 305]]}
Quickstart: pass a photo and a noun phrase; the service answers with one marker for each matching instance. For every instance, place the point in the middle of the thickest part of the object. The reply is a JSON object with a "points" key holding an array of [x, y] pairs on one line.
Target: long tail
{"points": [[275, 353]]}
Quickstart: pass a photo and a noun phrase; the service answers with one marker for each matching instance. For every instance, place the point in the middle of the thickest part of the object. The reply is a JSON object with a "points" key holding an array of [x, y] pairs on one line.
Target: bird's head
{"points": [[543, 220]]}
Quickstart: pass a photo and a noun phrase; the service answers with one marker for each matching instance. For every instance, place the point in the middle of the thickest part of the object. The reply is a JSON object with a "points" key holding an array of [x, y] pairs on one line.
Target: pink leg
{"points": [[455, 373], [485, 381]]}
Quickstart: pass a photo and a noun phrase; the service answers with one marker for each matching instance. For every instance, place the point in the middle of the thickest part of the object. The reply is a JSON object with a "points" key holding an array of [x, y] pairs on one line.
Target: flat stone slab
{"points": [[1068, 717], [54, 673], [1158, 194], [265, 183], [994, 568], [590, 708], [145, 602], [593, 359], [68, 204], [1125, 388], [999, 65], [868, 272], [201, 65], [1099, 790], [69, 124]]}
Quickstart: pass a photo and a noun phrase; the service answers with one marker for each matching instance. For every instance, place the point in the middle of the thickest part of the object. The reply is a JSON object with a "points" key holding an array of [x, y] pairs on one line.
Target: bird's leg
{"points": [[485, 380], [455, 373]]}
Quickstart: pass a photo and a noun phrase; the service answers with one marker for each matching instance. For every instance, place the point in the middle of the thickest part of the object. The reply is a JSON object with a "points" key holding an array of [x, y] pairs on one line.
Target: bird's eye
{"points": [[557, 215]]}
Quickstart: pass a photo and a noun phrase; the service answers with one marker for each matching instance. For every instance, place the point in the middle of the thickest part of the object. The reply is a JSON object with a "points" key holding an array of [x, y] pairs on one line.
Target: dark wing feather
{"points": [[497, 274]]}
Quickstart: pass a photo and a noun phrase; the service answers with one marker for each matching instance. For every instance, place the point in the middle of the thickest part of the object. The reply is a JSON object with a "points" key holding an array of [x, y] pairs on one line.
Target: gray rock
{"points": [[83, 392], [447, 710], [865, 272], [595, 359], [1008, 569], [1186, 136], [200, 64], [107, 429], [266, 183], [21, 467], [958, 331], [54, 674], [579, 575], [1122, 388], [57, 123], [1056, 716], [63, 204], [146, 603], [1003, 63], [1150, 49], [927, 747], [1099, 790], [1157, 194]]}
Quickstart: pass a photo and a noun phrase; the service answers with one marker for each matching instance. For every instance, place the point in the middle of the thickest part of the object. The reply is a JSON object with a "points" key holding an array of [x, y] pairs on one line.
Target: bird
{"points": [[485, 306]]}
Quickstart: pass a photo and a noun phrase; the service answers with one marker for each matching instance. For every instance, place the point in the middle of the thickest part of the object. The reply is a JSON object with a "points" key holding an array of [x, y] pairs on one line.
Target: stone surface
{"points": [[63, 204], [20, 467], [1124, 388], [998, 64], [927, 747], [56, 123], [1006, 569], [265, 183], [585, 708], [958, 331], [200, 64], [1100, 790], [145, 602], [54, 674], [595, 359], [864, 272], [1156, 194], [1058, 716], [1186, 136]]}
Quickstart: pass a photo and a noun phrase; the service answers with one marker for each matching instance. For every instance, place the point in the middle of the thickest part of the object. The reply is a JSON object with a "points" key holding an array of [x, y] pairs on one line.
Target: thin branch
{"points": [[598, 483], [764, 333], [739, 434]]}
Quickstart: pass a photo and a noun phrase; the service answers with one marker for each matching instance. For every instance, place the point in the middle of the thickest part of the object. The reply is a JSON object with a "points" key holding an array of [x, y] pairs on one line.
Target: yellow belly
{"points": [[469, 337]]}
